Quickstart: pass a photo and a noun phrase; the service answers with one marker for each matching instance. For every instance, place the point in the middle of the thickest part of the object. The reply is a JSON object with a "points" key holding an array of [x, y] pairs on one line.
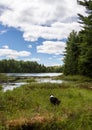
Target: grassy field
{"points": [[28, 107]]}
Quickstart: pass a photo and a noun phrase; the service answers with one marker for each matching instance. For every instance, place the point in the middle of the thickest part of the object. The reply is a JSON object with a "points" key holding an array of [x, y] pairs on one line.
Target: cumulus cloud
{"points": [[52, 47], [10, 53], [48, 19]]}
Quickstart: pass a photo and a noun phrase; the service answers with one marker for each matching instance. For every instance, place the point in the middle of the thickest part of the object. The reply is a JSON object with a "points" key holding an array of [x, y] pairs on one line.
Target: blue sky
{"points": [[37, 30]]}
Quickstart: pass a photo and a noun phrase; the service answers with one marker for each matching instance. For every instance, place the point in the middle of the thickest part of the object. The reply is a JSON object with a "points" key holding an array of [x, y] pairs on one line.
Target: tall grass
{"points": [[28, 107], [3, 77], [75, 78]]}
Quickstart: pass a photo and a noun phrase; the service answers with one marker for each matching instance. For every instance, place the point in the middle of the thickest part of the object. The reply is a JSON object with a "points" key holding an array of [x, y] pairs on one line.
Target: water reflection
{"points": [[34, 74], [11, 86], [45, 80]]}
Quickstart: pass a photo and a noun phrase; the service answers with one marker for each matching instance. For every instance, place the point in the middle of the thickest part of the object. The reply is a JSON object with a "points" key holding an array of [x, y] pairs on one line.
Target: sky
{"points": [[37, 30]]}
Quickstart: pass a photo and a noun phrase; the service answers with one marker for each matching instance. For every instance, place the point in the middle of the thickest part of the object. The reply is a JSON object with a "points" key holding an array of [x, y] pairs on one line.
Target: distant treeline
{"points": [[14, 66]]}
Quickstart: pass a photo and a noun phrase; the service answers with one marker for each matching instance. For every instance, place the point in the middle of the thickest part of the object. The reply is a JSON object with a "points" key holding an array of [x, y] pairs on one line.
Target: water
{"points": [[34, 74], [11, 86], [45, 80]]}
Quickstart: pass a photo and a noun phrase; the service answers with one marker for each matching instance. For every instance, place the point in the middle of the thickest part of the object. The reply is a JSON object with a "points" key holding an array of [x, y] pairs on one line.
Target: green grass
{"points": [[29, 106], [78, 78], [3, 77]]}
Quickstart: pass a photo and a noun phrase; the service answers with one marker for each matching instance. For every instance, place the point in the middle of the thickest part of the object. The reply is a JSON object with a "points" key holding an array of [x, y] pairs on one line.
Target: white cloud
{"points": [[51, 47], [9, 53], [48, 19]]}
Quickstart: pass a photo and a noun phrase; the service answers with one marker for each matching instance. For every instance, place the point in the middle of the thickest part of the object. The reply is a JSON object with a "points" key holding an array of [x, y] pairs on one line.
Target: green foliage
{"points": [[85, 58], [14, 66], [78, 78], [54, 69], [78, 58], [71, 54]]}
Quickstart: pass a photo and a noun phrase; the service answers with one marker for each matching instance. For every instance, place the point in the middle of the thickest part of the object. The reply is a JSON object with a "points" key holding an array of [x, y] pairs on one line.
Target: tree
{"points": [[85, 58], [71, 54], [14, 66]]}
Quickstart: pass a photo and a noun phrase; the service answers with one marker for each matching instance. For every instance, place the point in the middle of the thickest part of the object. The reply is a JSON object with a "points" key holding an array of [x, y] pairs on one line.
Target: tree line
{"points": [[14, 66], [78, 52]]}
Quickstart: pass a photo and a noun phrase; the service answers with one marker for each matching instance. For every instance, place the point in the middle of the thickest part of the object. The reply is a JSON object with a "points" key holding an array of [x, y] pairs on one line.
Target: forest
{"points": [[78, 54], [28, 107], [14, 66]]}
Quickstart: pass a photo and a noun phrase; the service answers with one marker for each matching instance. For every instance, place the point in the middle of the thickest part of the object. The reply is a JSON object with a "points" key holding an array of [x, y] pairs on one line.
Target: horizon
{"points": [[37, 30]]}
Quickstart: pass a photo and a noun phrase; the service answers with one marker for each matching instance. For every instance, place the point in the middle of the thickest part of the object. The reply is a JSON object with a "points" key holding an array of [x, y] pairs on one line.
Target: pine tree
{"points": [[85, 58], [71, 54]]}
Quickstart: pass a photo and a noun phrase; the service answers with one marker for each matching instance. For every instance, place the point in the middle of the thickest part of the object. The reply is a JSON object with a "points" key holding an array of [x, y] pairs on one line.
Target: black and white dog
{"points": [[54, 100]]}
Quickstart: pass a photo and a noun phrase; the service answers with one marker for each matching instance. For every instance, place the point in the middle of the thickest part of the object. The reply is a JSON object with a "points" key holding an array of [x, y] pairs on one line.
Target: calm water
{"points": [[11, 86], [34, 74], [45, 80]]}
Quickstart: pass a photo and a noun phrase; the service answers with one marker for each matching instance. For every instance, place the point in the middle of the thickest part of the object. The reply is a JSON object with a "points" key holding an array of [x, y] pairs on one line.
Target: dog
{"points": [[54, 100]]}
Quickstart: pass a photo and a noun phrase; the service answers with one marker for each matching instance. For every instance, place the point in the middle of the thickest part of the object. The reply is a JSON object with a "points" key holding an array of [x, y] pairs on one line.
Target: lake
{"points": [[45, 80], [34, 74], [11, 86]]}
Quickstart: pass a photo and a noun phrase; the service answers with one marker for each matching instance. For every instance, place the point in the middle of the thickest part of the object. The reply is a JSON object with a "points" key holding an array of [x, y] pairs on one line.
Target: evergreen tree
{"points": [[14, 66], [71, 54], [85, 58]]}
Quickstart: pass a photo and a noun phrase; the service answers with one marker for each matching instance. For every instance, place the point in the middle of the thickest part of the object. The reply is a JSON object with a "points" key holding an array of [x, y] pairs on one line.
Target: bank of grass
{"points": [[28, 107], [78, 78], [3, 78]]}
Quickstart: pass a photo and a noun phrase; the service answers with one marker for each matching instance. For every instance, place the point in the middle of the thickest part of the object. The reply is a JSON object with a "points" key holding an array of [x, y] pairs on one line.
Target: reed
{"points": [[28, 107]]}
